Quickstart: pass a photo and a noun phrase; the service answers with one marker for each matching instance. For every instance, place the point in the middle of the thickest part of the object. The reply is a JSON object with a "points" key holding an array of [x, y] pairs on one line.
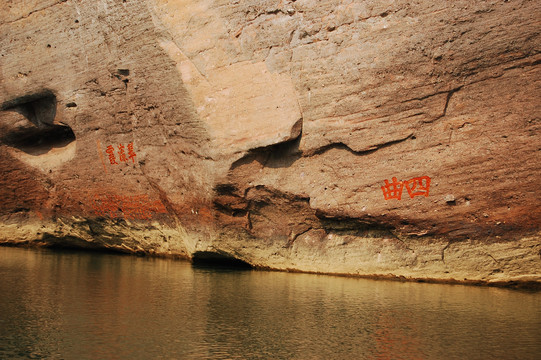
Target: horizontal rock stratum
{"points": [[368, 138]]}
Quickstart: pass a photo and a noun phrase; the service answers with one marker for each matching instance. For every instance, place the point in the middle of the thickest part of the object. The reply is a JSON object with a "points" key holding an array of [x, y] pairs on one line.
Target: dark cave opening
{"points": [[218, 259], [41, 134], [36, 141], [39, 108]]}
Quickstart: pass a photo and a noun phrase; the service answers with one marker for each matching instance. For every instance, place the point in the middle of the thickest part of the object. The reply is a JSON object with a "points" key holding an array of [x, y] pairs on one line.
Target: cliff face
{"points": [[359, 137]]}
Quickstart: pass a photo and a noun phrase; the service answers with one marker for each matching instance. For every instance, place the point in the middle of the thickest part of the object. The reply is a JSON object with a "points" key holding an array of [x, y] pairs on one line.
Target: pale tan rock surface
{"points": [[264, 130]]}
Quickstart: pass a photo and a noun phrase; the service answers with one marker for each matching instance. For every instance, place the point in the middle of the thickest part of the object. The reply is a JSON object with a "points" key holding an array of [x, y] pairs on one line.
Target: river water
{"points": [[77, 305]]}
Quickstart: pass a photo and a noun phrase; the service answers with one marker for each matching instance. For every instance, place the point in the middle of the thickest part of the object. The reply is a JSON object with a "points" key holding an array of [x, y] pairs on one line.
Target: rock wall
{"points": [[370, 138]]}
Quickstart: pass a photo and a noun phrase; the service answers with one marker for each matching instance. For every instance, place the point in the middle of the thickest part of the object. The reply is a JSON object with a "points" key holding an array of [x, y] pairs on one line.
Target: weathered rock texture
{"points": [[265, 130]]}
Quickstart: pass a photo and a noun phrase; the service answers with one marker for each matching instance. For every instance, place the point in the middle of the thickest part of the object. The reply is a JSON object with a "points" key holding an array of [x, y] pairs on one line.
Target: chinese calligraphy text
{"points": [[418, 186], [122, 156], [126, 207]]}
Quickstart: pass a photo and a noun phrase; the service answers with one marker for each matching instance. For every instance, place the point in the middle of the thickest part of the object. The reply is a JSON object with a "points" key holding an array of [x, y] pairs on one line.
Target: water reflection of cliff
{"points": [[94, 306]]}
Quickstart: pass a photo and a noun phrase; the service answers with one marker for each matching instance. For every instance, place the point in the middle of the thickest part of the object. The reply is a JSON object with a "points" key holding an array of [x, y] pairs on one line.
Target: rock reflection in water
{"points": [[95, 306]]}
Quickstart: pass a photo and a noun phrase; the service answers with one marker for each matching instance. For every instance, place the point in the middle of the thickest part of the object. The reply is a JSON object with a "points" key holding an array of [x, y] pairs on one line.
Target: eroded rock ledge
{"points": [[264, 131]]}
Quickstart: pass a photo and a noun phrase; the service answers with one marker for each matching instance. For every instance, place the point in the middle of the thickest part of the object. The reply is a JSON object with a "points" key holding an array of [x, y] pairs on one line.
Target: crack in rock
{"points": [[342, 146]]}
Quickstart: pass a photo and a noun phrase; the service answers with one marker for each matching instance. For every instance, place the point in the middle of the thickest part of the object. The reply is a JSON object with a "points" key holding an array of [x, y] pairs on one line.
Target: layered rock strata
{"points": [[369, 138]]}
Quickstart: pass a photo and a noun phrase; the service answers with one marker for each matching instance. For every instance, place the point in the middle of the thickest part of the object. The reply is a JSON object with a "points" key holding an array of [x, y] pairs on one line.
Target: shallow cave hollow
{"points": [[40, 134]]}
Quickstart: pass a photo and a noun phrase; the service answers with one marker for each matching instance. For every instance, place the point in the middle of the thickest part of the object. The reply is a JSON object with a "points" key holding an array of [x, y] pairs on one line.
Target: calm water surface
{"points": [[73, 305]]}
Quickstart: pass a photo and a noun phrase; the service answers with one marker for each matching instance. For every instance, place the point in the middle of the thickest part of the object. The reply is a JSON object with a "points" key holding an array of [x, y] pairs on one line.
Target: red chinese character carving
{"points": [[131, 153], [121, 153], [97, 206], [114, 206], [145, 211], [111, 151], [135, 207], [126, 206], [393, 190], [142, 213], [158, 207], [104, 205], [418, 186]]}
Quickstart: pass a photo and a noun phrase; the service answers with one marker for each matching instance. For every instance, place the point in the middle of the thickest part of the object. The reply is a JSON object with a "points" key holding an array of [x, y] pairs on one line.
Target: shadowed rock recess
{"points": [[388, 139]]}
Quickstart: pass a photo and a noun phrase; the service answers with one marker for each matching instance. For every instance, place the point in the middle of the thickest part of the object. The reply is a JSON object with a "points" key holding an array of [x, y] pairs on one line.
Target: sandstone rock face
{"points": [[370, 138]]}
